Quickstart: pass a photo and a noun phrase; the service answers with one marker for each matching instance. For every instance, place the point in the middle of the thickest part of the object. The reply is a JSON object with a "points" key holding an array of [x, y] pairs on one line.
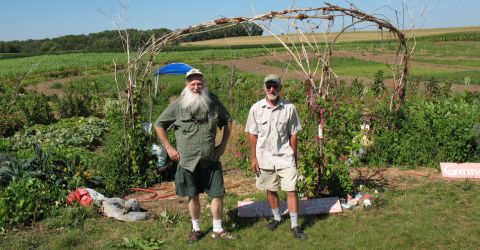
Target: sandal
{"points": [[223, 235], [195, 236]]}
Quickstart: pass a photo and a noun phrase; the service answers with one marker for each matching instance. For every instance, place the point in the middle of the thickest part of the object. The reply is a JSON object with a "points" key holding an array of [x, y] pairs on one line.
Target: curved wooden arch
{"points": [[138, 70]]}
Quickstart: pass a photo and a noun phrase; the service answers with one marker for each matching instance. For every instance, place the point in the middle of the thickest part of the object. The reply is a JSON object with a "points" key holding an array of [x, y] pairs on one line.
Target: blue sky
{"points": [[35, 19]]}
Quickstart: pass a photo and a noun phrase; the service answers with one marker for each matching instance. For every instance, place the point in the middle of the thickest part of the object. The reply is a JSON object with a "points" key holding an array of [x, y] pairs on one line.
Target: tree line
{"points": [[109, 40]]}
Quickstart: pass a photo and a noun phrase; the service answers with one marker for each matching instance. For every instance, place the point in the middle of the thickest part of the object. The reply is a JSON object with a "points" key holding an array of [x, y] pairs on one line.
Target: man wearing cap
{"points": [[272, 127], [194, 118]]}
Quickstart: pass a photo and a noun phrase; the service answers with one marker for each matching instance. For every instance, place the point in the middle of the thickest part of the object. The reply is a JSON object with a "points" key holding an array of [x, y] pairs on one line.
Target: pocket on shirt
{"points": [[262, 127], [187, 126]]}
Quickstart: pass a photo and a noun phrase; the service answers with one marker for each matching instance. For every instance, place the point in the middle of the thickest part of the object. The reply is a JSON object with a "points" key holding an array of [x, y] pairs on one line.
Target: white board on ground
{"points": [[306, 207]]}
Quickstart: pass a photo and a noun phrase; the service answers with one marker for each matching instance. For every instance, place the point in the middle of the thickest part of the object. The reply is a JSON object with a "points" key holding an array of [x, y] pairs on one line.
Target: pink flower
{"points": [[238, 154]]}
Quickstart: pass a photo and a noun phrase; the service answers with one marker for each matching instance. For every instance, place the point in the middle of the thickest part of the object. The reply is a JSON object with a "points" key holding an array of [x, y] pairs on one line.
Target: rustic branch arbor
{"points": [[304, 45], [139, 70]]}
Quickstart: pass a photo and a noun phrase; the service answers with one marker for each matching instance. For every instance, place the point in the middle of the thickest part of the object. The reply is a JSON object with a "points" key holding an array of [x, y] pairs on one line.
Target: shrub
{"points": [[9, 124], [77, 104], [426, 132], [123, 168], [357, 87], [378, 85], [36, 109], [26, 200], [325, 168]]}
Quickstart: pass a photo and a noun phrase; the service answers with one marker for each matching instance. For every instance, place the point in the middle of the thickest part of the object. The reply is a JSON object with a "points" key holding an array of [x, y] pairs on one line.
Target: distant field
{"points": [[346, 37], [455, 61]]}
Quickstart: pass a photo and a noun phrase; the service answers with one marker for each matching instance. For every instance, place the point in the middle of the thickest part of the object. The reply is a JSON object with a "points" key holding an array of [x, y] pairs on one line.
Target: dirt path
{"points": [[46, 86]]}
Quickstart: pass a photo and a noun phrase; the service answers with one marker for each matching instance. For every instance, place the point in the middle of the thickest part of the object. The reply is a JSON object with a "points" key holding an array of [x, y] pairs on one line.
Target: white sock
{"points": [[276, 214], [217, 226], [294, 219], [196, 225]]}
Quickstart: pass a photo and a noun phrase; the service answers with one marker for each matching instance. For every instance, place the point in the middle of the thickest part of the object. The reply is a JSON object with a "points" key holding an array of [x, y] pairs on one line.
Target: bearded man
{"points": [[194, 118], [272, 127]]}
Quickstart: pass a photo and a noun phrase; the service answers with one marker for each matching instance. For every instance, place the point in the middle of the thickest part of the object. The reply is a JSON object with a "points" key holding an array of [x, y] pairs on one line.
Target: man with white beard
{"points": [[195, 117], [272, 127]]}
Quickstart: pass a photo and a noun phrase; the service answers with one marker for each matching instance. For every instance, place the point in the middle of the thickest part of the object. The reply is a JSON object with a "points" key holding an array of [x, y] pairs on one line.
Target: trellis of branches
{"points": [[310, 50]]}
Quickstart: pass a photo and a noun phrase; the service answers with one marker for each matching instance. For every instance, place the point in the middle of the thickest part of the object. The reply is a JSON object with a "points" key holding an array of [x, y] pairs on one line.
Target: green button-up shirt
{"points": [[194, 133]]}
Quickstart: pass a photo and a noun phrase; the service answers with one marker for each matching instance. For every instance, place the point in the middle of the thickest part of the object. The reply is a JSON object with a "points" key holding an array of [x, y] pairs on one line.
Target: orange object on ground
{"points": [[80, 195], [155, 195]]}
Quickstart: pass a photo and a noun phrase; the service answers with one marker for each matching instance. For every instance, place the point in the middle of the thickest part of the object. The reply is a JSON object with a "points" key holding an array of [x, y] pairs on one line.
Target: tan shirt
{"points": [[273, 126]]}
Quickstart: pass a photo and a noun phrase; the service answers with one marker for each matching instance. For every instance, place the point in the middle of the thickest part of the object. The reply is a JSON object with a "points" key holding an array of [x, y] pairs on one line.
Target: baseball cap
{"points": [[272, 78], [193, 72]]}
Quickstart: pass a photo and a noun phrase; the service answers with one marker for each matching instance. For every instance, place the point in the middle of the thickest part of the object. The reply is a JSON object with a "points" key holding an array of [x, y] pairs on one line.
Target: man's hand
{"points": [[255, 167], [173, 154]]}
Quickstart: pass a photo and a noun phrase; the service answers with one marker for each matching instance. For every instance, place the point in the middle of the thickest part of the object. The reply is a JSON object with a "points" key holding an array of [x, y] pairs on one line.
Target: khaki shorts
{"points": [[207, 177], [277, 179]]}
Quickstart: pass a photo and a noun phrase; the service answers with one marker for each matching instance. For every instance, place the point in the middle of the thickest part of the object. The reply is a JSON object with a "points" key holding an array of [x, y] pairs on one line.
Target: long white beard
{"points": [[197, 103]]}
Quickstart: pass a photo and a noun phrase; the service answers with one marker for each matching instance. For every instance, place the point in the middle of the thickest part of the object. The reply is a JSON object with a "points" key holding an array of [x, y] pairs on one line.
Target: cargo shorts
{"points": [[277, 179], [207, 177]]}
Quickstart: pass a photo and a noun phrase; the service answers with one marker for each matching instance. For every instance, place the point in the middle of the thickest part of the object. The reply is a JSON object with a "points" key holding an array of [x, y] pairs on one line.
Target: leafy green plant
{"points": [[426, 132], [78, 132], [26, 200], [378, 85], [240, 157], [36, 109], [85, 102], [11, 169], [357, 87], [169, 217], [9, 124], [121, 168], [145, 244], [324, 162]]}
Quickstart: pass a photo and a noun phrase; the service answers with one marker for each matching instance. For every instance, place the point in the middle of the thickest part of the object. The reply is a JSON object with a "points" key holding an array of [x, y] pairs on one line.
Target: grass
{"points": [[353, 67], [438, 214], [45, 67], [450, 62]]}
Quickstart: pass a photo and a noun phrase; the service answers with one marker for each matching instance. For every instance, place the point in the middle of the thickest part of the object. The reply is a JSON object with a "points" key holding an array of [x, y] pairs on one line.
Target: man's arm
{"points": [[252, 141], [293, 144], [162, 136], [220, 149]]}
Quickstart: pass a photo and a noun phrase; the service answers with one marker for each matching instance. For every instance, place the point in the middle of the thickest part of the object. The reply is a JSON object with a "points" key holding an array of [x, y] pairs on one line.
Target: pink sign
{"points": [[313, 206], [460, 170]]}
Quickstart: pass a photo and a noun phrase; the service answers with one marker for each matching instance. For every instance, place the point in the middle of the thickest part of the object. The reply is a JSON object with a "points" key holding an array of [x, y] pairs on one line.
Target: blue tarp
{"points": [[173, 69]]}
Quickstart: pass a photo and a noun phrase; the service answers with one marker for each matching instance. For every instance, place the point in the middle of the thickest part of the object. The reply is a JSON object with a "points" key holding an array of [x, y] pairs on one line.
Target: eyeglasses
{"points": [[270, 85]]}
